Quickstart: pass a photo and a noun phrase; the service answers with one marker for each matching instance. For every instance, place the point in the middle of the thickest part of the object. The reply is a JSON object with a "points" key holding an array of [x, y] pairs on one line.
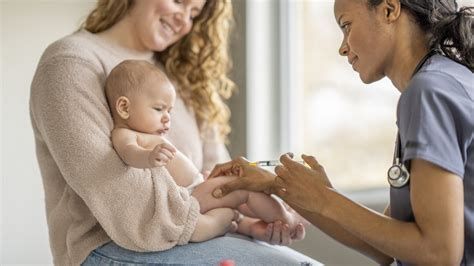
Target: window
{"points": [[349, 126]]}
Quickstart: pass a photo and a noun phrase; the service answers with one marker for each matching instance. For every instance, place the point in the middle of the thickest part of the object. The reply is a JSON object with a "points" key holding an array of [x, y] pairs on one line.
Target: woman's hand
{"points": [[300, 185], [252, 178]]}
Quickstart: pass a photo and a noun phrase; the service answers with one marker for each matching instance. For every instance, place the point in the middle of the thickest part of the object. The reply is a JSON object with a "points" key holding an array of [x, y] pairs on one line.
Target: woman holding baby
{"points": [[101, 211]]}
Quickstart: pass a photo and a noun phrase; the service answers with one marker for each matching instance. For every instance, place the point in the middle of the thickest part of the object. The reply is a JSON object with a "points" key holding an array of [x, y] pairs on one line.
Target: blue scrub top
{"points": [[435, 118]]}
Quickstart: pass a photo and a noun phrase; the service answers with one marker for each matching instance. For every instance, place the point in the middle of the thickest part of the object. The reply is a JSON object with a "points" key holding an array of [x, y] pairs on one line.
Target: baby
{"points": [[141, 98]]}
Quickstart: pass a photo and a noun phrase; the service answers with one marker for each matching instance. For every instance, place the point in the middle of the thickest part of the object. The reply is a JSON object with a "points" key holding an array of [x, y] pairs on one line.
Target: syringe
{"points": [[268, 163]]}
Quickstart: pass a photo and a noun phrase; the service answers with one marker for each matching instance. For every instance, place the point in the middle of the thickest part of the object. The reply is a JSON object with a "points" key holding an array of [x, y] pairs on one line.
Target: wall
{"points": [[238, 139], [27, 28]]}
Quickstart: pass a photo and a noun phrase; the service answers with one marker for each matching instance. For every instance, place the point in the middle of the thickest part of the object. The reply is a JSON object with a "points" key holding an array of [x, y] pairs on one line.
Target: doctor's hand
{"points": [[251, 178], [299, 185]]}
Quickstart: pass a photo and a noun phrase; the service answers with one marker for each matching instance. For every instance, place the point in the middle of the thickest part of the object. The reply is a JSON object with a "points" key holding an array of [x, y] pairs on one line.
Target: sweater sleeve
{"points": [[141, 210]]}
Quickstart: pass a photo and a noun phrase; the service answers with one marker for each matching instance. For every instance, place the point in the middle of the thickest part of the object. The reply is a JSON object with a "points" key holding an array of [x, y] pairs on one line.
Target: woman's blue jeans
{"points": [[242, 251]]}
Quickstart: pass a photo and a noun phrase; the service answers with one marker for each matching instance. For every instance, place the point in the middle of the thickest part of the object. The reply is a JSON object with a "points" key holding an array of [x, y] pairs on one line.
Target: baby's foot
{"points": [[263, 231]]}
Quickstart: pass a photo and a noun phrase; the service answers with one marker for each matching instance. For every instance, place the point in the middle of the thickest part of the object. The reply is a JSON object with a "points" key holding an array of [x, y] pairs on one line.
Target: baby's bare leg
{"points": [[203, 193], [262, 205]]}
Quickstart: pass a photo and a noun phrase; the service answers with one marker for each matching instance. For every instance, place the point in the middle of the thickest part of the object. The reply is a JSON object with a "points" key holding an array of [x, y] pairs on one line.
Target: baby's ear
{"points": [[122, 106]]}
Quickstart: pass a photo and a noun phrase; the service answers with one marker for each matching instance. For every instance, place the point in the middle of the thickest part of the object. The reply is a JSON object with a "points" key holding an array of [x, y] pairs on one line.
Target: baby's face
{"points": [[150, 108]]}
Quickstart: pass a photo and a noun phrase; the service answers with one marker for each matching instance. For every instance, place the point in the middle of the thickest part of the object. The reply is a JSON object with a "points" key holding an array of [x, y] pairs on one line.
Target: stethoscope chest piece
{"points": [[398, 175]]}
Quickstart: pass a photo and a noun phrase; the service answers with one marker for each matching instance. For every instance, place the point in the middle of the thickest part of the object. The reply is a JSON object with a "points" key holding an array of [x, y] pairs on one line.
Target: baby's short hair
{"points": [[127, 77]]}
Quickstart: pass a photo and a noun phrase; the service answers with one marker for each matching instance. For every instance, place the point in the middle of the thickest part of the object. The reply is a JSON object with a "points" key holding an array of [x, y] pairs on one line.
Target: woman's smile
{"points": [[167, 29]]}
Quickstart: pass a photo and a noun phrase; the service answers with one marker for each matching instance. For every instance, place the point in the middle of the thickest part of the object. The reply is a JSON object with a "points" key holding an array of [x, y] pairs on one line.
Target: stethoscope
{"points": [[398, 174]]}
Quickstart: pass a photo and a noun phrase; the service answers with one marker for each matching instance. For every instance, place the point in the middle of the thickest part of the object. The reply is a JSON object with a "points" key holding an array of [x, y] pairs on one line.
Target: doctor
{"points": [[425, 48]]}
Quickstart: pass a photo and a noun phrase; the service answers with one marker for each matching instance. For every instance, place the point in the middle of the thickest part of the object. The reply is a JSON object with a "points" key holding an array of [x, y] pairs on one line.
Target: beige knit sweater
{"points": [[92, 197]]}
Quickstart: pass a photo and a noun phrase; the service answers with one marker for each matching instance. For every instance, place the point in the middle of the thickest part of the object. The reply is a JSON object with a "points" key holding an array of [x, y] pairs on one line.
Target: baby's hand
{"points": [[162, 154]]}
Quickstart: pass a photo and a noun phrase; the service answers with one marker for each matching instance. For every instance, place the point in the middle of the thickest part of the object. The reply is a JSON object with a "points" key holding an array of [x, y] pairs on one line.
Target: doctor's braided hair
{"points": [[451, 30]]}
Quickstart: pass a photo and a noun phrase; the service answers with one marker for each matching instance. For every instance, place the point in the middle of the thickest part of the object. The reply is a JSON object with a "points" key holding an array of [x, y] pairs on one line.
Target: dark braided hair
{"points": [[451, 30]]}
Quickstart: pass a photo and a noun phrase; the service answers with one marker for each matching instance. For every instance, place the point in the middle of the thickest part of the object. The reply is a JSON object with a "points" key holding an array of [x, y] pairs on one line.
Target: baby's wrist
{"points": [[153, 162]]}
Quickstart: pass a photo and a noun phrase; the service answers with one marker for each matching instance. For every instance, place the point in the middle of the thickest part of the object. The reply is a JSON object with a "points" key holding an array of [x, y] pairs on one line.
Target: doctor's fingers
{"points": [[221, 169], [279, 183], [312, 162], [287, 160], [282, 172], [228, 168], [229, 187], [280, 187]]}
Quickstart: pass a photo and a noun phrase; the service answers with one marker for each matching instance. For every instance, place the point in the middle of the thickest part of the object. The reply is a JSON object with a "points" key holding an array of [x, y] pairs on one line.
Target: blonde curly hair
{"points": [[199, 62]]}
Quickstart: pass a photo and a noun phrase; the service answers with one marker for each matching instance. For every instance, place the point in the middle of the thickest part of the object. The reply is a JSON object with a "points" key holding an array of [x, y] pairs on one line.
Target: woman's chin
{"points": [[158, 48], [159, 44]]}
